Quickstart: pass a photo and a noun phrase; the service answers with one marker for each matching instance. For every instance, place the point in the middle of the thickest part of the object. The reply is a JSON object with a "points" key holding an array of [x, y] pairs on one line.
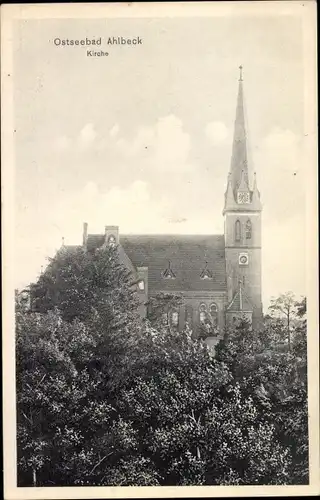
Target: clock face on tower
{"points": [[243, 259], [243, 197]]}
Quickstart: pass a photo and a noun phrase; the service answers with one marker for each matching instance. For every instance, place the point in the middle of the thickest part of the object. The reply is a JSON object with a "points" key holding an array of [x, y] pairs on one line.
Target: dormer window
{"points": [[168, 273], [206, 274], [111, 240]]}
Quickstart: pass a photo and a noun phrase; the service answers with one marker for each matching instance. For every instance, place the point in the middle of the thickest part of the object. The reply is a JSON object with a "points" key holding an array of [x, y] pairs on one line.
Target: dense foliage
{"points": [[107, 399], [276, 380]]}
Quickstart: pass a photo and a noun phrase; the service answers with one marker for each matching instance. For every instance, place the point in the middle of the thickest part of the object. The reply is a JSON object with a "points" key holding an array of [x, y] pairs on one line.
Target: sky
{"points": [[142, 138]]}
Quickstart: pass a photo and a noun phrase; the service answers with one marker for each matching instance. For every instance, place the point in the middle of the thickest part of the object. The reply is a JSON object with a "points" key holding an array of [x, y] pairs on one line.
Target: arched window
{"points": [[214, 315], [202, 316], [111, 240], [202, 313], [248, 230], [189, 315], [238, 230], [164, 318], [175, 318]]}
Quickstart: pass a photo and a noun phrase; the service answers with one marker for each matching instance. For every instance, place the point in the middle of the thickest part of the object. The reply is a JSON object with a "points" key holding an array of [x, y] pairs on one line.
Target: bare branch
{"points": [[100, 461], [44, 376], [28, 419]]}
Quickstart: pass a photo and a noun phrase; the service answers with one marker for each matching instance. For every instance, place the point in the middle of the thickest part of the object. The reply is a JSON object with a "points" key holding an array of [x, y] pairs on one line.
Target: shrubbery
{"points": [[107, 399]]}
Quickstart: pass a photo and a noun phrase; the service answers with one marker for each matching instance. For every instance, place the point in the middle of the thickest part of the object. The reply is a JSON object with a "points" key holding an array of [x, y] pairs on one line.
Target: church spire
{"points": [[229, 197], [256, 203], [239, 164]]}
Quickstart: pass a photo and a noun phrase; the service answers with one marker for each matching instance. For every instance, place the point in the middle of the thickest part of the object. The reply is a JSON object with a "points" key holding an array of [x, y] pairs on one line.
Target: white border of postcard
{"points": [[307, 12]]}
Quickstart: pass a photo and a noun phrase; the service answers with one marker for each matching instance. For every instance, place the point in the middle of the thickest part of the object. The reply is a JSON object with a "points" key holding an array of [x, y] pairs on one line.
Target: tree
{"points": [[301, 307], [106, 399], [78, 282], [54, 394], [68, 422], [71, 355], [284, 307], [96, 289], [176, 418], [276, 381], [300, 337], [160, 308], [192, 424]]}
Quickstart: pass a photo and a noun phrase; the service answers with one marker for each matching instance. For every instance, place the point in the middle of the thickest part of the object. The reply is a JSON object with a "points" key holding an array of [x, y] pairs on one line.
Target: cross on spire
{"points": [[241, 68]]}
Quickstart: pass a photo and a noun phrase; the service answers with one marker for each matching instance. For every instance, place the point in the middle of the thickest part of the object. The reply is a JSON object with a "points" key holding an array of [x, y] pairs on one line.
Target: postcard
{"points": [[160, 259]]}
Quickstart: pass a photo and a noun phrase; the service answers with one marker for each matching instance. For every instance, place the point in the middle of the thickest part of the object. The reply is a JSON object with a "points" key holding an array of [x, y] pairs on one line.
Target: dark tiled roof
{"points": [[187, 255], [95, 241]]}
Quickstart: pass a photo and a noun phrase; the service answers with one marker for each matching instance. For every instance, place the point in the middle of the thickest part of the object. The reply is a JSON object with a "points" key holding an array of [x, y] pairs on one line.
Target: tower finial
{"points": [[241, 68]]}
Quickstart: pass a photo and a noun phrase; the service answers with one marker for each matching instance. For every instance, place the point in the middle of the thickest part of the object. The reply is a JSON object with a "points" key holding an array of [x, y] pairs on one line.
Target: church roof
{"points": [[95, 241], [174, 262], [185, 255]]}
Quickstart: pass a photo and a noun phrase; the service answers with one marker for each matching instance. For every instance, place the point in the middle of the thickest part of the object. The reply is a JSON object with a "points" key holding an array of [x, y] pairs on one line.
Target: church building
{"points": [[218, 276]]}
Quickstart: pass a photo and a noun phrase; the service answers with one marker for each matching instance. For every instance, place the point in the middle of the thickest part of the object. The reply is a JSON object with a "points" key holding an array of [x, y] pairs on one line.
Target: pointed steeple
{"points": [[229, 196], [255, 187], [256, 203], [243, 186], [238, 195], [239, 162]]}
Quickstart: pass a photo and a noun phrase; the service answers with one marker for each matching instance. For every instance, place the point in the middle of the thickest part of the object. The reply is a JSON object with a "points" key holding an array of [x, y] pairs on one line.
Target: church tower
{"points": [[242, 228]]}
